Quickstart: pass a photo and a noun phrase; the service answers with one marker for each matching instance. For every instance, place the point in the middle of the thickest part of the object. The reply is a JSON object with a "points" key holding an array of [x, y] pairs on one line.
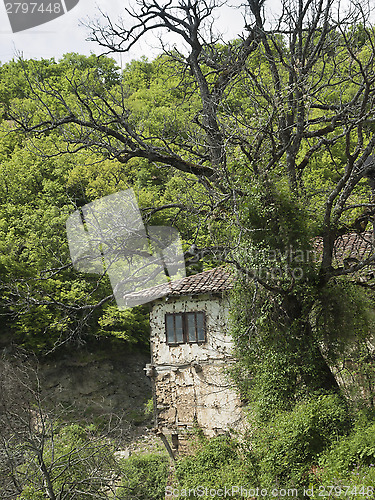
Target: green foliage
{"points": [[280, 453], [42, 295], [144, 477], [356, 449], [277, 214], [349, 462], [289, 445], [30, 494], [44, 300], [149, 408], [217, 463], [284, 343], [131, 325], [279, 357], [343, 317]]}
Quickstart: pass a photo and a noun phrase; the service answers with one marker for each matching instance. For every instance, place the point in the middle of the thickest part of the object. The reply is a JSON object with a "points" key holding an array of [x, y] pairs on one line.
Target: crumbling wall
{"points": [[191, 382]]}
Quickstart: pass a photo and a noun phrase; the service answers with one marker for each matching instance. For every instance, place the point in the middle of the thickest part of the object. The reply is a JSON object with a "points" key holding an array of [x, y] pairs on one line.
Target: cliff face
{"points": [[99, 386]]}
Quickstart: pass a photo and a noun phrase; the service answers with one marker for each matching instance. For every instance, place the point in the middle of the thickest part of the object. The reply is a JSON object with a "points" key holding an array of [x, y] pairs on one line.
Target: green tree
{"points": [[144, 477], [44, 302]]}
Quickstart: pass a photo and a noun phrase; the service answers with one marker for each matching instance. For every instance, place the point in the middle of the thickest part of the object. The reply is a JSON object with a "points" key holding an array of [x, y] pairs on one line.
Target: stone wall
{"points": [[191, 382]]}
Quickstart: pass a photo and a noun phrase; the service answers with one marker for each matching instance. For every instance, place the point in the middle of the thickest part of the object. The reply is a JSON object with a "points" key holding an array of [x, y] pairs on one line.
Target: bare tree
{"points": [[295, 105], [272, 103], [39, 452]]}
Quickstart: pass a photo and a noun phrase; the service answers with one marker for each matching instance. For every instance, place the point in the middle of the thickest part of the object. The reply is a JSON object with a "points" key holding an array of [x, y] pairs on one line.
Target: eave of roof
{"points": [[218, 280]]}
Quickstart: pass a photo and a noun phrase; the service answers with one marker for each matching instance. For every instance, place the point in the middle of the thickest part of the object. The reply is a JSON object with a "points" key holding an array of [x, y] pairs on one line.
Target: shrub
{"points": [[144, 477], [281, 452], [350, 462], [289, 445], [218, 463]]}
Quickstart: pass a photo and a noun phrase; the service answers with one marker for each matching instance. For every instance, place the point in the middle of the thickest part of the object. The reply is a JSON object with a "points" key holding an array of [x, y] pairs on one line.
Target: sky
{"points": [[67, 34]]}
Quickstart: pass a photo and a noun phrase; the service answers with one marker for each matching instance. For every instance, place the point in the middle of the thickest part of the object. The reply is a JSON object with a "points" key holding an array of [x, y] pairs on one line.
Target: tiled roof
{"points": [[216, 280], [349, 249]]}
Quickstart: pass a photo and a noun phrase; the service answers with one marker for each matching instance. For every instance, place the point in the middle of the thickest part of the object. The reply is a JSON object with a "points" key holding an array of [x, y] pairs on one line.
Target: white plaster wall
{"points": [[219, 342]]}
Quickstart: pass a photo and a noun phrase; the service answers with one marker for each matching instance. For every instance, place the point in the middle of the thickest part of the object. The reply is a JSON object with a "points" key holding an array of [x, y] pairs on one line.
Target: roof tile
{"points": [[216, 280]]}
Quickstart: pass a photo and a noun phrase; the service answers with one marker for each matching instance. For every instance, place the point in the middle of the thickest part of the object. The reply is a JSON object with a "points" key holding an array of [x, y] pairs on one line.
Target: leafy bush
{"points": [[218, 463], [282, 451], [144, 477], [288, 447], [350, 461], [131, 325]]}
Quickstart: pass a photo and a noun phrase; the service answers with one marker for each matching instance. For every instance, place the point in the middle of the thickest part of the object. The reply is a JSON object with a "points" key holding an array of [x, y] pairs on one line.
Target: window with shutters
{"points": [[185, 328]]}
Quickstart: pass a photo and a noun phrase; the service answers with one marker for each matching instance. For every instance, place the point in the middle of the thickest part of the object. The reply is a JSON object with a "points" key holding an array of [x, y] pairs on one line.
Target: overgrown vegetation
{"points": [[144, 477], [314, 448], [259, 151]]}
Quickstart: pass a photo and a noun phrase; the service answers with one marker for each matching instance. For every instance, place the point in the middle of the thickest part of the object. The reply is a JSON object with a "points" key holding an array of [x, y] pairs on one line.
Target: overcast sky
{"points": [[66, 34]]}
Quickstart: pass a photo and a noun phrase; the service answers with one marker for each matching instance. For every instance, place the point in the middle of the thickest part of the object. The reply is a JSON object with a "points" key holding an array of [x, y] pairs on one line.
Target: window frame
{"points": [[185, 330]]}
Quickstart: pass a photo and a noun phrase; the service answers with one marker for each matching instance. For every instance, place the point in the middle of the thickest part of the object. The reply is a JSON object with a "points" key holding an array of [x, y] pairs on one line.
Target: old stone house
{"points": [[191, 351]]}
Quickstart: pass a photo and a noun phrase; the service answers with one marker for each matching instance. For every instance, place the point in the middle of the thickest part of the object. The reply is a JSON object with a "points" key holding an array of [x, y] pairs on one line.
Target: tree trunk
{"points": [[314, 370]]}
